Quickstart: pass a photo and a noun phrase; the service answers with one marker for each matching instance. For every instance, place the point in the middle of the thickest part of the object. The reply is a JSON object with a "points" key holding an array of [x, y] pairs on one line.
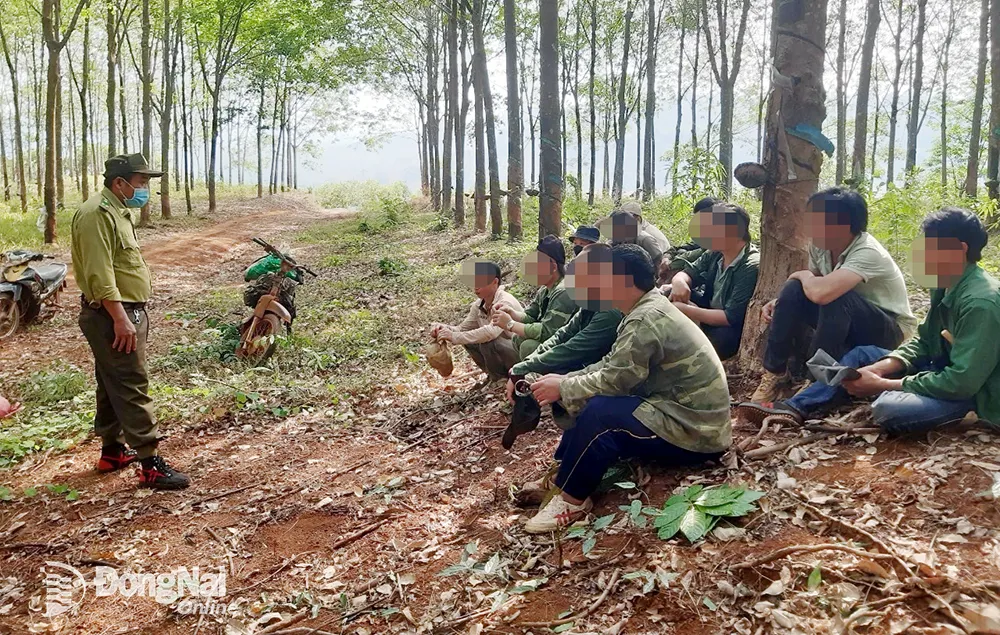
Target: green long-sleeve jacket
{"points": [[548, 312], [585, 339], [729, 289], [666, 359], [970, 368]]}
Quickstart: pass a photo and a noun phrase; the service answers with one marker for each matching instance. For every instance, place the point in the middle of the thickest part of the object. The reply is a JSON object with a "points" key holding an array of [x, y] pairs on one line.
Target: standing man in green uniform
{"points": [[115, 283]]}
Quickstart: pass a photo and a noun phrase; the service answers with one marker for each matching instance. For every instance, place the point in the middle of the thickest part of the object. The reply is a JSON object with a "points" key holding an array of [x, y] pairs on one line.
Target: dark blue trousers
{"points": [[605, 433]]}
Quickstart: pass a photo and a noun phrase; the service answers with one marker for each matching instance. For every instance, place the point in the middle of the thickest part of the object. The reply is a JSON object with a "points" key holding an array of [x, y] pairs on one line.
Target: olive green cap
{"points": [[128, 164]]}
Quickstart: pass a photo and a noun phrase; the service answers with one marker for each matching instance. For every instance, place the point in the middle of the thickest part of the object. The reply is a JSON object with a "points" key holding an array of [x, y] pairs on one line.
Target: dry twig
{"points": [[582, 614], [225, 545]]}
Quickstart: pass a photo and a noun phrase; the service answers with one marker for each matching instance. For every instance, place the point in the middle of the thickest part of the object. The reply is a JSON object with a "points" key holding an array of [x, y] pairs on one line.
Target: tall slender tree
{"points": [[551, 186], [975, 135], [22, 183], [622, 120], [515, 151], [873, 16], [726, 70], [914, 120]]}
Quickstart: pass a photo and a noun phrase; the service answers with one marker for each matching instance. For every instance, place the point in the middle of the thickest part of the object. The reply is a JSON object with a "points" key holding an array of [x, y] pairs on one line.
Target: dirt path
{"points": [[179, 261]]}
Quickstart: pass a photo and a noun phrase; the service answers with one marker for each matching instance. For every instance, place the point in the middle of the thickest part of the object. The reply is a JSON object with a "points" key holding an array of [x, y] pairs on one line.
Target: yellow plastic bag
{"points": [[439, 357]]}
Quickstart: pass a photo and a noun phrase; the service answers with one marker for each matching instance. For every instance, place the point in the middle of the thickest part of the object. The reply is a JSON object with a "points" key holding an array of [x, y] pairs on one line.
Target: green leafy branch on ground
{"points": [[697, 510]]}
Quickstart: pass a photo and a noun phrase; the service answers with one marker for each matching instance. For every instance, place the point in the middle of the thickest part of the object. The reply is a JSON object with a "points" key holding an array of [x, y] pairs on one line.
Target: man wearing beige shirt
{"points": [[489, 346]]}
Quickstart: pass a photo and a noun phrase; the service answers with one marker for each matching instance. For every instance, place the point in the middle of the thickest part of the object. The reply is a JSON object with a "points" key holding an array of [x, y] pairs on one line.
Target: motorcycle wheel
{"points": [[10, 315], [262, 342]]}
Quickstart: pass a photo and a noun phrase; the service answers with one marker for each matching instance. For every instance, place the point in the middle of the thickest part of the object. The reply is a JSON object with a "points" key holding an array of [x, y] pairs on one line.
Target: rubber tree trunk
{"points": [[146, 53], [799, 55], [913, 123], [22, 183], [448, 137], [864, 88], [515, 150], [593, 103], [890, 170], [483, 77], [841, 168], [457, 107], [675, 164], [166, 110], [618, 183], [551, 183], [480, 142], [993, 155], [975, 137], [649, 161]]}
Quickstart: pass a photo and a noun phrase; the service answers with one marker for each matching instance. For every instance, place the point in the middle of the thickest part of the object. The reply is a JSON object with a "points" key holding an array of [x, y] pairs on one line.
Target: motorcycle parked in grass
{"points": [[259, 332], [26, 284]]}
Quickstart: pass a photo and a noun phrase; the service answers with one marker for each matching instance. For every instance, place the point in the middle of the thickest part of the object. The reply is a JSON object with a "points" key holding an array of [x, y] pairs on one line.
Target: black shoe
{"points": [[156, 474], [115, 457], [757, 412], [524, 419]]}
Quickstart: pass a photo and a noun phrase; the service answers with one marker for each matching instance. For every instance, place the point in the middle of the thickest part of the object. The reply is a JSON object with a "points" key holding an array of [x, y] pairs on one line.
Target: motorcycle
{"points": [[26, 284], [258, 333]]}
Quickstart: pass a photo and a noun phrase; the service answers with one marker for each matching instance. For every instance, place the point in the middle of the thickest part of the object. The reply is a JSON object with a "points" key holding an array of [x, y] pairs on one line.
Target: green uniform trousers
{"points": [[124, 408], [494, 358]]}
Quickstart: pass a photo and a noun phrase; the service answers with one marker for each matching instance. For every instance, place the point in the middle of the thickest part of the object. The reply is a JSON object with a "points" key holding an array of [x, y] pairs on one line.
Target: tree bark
{"points": [[146, 52], [944, 93], [185, 130], [3, 161], [726, 71], [22, 183], [166, 110], [551, 186], [592, 103], [993, 154], [680, 107], [448, 138], [617, 184], [841, 92], [434, 171], [459, 123], [649, 161], [799, 54], [515, 151], [112, 94], [483, 85], [460, 128], [890, 173], [480, 138], [975, 137], [864, 87], [913, 124]]}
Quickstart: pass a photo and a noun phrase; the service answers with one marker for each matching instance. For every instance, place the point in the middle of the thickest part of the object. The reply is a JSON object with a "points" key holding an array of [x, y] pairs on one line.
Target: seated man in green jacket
{"points": [[659, 395], [552, 306], [951, 367], [678, 257], [727, 272]]}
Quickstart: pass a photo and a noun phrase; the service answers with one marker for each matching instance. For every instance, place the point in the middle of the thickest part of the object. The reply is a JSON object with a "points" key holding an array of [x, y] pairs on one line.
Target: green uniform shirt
{"points": [[107, 263], [732, 286], [585, 339], [970, 311], [664, 358], [548, 312]]}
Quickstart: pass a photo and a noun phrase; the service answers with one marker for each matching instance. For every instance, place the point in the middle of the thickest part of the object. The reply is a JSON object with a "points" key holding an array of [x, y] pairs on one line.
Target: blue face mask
{"points": [[140, 196]]}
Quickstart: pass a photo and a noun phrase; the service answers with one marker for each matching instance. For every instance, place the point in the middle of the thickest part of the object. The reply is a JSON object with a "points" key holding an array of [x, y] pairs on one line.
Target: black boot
{"points": [[525, 417], [115, 457], [156, 474]]}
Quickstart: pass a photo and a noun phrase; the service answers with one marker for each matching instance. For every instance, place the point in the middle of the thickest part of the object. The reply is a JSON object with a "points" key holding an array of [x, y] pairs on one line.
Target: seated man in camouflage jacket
{"points": [[660, 394]]}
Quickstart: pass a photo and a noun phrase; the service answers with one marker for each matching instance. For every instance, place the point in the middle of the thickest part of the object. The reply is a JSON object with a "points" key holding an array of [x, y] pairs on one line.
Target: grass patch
{"points": [[62, 382]]}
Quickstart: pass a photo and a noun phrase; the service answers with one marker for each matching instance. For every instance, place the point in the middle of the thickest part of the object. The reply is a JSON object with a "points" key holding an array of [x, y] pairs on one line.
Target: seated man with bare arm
{"points": [[489, 346]]}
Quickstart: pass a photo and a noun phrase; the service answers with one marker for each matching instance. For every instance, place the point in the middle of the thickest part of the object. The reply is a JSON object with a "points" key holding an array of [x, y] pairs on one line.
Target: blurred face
{"points": [[938, 263], [474, 275], [539, 269], [624, 228], [825, 228], [591, 284], [716, 230], [579, 244]]}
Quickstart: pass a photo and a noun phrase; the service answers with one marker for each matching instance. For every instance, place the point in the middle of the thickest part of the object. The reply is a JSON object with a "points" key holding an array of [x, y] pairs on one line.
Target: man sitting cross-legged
{"points": [[489, 346], [727, 272], [951, 367], [660, 394], [853, 293]]}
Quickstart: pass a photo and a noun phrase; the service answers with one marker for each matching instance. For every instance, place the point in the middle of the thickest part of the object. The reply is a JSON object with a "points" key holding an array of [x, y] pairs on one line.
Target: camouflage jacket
{"points": [[666, 359]]}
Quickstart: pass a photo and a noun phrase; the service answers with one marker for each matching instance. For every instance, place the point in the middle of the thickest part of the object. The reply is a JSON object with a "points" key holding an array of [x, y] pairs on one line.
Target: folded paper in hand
{"points": [[826, 370]]}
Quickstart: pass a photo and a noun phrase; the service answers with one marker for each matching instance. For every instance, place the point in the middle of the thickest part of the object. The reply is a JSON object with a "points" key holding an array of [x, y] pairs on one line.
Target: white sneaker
{"points": [[556, 515]]}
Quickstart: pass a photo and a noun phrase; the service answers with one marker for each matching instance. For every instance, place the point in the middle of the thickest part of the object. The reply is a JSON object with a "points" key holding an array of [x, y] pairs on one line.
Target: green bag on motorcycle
{"points": [[268, 264]]}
